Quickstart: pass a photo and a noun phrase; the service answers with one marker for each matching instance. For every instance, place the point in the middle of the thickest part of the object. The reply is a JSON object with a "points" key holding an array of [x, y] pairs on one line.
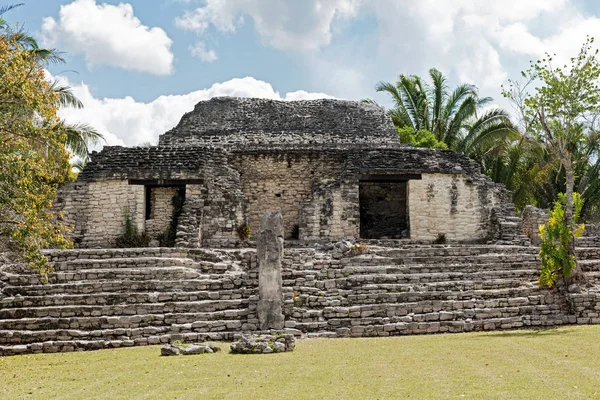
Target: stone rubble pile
{"points": [[188, 349], [263, 344]]}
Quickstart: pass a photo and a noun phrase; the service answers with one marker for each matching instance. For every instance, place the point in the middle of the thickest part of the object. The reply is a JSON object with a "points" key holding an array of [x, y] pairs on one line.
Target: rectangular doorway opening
{"points": [[383, 210]]}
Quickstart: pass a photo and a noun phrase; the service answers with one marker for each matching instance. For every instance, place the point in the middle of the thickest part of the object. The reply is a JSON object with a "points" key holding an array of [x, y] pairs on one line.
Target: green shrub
{"points": [[556, 250], [130, 236], [440, 239], [244, 232]]}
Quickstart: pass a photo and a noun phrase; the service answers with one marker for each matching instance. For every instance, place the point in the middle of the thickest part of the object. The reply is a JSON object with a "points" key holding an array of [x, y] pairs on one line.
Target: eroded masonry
{"points": [[300, 178], [334, 169]]}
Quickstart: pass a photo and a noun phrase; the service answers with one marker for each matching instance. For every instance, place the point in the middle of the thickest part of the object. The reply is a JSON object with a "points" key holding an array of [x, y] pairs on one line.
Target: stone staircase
{"points": [[425, 289], [112, 298]]}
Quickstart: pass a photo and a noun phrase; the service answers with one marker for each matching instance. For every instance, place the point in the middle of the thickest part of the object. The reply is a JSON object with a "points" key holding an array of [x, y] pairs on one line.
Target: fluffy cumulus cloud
{"points": [[127, 122], [285, 25], [480, 42], [109, 35]]}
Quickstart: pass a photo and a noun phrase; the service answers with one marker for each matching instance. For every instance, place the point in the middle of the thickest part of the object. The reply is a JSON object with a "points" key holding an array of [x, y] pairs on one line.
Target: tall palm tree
{"points": [[78, 136], [452, 116]]}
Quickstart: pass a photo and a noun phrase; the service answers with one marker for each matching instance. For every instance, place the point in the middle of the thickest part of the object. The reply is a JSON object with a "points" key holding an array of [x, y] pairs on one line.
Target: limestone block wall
{"points": [[533, 217], [108, 202], [161, 210], [332, 212], [451, 205], [282, 183], [71, 203]]}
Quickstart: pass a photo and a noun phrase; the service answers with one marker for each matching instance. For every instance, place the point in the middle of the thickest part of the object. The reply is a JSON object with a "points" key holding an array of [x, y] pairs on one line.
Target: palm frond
{"points": [[80, 137], [7, 8], [66, 97]]}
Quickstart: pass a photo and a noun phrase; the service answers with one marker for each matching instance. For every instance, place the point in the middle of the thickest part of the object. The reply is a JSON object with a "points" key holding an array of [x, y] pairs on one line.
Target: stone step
{"points": [[123, 321], [348, 298], [377, 288], [82, 345], [15, 336], [214, 283], [587, 253], [494, 279], [112, 298], [372, 317], [129, 274], [122, 309], [75, 254], [478, 259], [451, 250], [384, 327], [420, 307], [408, 270], [110, 263]]}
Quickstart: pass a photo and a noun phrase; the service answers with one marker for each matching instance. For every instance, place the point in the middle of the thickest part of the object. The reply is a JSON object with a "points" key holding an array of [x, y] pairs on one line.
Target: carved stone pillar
{"points": [[270, 255]]}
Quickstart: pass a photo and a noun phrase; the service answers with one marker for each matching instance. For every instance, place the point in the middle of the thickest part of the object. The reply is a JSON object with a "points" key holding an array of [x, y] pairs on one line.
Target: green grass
{"points": [[544, 364]]}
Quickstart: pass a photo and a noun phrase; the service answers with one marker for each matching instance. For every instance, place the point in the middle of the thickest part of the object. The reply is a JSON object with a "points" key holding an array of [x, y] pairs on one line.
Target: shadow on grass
{"points": [[528, 333]]}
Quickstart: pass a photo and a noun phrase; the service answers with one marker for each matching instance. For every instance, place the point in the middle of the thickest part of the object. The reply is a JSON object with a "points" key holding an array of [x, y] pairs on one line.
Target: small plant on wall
{"points": [[358, 249], [244, 232], [440, 239], [130, 236]]}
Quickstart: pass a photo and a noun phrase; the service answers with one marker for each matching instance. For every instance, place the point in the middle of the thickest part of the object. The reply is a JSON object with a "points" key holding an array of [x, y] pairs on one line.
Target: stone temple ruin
{"points": [[334, 169], [338, 175]]}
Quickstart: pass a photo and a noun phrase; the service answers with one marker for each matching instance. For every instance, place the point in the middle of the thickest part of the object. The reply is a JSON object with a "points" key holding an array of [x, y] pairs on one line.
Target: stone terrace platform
{"points": [[112, 298]]}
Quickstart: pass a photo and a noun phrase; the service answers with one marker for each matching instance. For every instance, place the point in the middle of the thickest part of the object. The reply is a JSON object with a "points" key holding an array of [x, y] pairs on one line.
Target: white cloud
{"points": [[285, 25], [128, 122], [109, 35], [199, 50]]}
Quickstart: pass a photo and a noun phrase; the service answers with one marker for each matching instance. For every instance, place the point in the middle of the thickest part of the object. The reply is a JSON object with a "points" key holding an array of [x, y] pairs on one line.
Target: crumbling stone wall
{"points": [[451, 205], [108, 203], [332, 212], [305, 159], [282, 182], [226, 121], [533, 217], [72, 203], [161, 210]]}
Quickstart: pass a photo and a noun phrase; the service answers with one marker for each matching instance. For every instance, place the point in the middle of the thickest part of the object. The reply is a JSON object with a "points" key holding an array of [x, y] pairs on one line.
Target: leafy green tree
{"points": [[454, 117], [561, 113], [558, 112], [78, 136], [33, 158]]}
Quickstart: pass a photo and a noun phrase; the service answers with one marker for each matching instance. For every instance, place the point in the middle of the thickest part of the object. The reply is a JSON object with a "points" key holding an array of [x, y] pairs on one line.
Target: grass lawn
{"points": [[544, 364]]}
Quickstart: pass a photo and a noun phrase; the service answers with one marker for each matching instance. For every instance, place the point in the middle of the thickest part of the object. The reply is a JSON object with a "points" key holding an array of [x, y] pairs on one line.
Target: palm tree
{"points": [[78, 136], [452, 116]]}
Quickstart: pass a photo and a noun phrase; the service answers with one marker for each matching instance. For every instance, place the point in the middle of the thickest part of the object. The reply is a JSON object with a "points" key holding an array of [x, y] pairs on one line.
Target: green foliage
{"points": [[130, 237], [556, 252], [33, 159], [422, 138], [560, 114], [244, 232], [440, 239], [451, 116]]}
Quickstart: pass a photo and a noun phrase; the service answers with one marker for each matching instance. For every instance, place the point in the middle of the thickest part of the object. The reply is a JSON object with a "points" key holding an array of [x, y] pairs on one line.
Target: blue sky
{"points": [[142, 63]]}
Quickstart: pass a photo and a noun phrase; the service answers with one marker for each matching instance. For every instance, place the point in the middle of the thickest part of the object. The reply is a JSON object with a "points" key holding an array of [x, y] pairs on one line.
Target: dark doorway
{"points": [[383, 210]]}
